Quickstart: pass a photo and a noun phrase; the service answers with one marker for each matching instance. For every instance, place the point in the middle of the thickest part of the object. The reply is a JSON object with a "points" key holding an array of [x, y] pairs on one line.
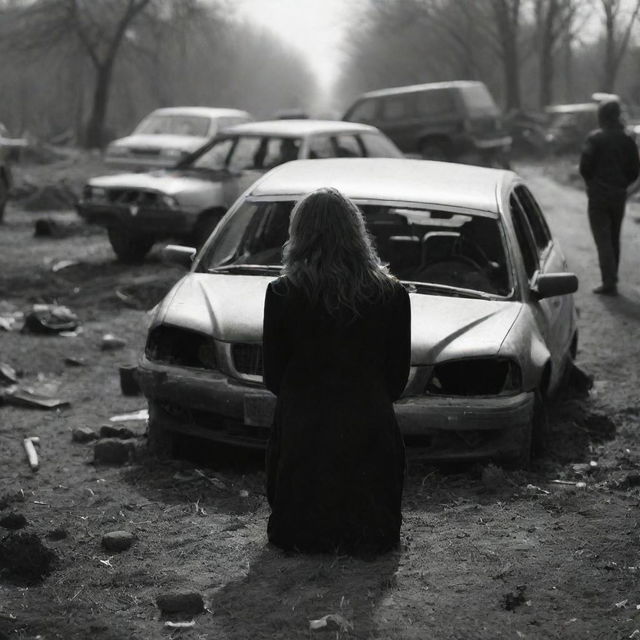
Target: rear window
{"points": [[422, 246], [435, 103], [182, 125], [478, 100]]}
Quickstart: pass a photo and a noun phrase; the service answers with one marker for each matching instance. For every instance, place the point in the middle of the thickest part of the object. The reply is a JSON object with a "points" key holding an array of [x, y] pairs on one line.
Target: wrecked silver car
{"points": [[493, 319], [187, 201]]}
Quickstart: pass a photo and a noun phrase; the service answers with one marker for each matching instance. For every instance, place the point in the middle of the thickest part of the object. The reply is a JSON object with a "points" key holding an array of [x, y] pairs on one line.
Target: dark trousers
{"points": [[606, 211]]}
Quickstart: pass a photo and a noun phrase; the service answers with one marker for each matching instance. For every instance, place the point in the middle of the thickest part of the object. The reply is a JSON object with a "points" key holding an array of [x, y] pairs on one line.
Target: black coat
{"points": [[609, 161], [335, 459]]}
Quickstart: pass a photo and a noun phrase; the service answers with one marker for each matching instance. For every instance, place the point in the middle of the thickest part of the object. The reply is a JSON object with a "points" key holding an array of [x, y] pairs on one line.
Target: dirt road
{"points": [[486, 554]]}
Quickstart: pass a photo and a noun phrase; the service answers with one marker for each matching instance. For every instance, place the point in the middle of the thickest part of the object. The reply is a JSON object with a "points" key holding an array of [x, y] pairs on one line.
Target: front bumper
{"points": [[157, 221], [212, 405]]}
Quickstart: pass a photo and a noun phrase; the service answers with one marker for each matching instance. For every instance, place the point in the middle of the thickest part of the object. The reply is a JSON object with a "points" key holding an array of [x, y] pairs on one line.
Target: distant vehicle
{"points": [[168, 135], [493, 318], [188, 201], [451, 121], [569, 124]]}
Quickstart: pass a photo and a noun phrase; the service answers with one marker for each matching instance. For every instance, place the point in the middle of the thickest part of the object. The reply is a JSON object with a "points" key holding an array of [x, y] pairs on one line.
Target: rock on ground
{"points": [[117, 540], [24, 558], [113, 451], [13, 521], [83, 434]]}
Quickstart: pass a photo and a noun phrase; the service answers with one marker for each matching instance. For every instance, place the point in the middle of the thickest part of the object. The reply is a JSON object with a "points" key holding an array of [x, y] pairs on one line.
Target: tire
{"points": [[533, 442], [539, 427], [435, 150], [204, 226], [160, 439], [128, 246]]}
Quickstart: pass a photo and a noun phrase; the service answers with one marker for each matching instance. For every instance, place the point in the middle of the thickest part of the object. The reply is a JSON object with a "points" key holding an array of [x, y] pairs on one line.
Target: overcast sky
{"points": [[316, 27]]}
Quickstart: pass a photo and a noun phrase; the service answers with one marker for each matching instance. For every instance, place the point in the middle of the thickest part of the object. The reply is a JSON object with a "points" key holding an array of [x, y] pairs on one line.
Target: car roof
{"points": [[453, 84], [397, 180], [208, 112], [572, 108], [301, 127]]}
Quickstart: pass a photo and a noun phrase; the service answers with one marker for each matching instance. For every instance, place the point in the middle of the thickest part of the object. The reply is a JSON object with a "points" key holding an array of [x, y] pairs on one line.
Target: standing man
{"points": [[609, 165]]}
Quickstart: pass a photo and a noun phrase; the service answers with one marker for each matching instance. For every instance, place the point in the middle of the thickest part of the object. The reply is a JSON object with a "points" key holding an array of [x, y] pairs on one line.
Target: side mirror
{"points": [[548, 285], [178, 254]]}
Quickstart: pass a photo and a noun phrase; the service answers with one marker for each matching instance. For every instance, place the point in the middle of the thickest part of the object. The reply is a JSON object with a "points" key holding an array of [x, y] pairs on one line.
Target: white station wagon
{"points": [[493, 319]]}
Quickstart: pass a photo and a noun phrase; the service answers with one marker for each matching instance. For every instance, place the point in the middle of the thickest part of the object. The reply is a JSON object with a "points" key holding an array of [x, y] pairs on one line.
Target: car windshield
{"points": [[247, 153], [478, 100], [180, 125], [427, 247]]}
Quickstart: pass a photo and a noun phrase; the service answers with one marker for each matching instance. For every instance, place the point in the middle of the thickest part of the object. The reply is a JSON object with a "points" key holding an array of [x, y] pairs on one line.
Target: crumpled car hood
{"points": [[160, 141], [230, 308], [171, 182]]}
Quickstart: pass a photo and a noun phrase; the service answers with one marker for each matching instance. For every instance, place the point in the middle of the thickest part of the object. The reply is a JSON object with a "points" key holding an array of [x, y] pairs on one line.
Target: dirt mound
{"points": [[24, 559]]}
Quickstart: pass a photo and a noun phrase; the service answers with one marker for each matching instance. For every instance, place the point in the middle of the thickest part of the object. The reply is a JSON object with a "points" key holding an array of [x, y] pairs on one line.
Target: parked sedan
{"points": [[187, 202], [167, 135], [493, 319]]}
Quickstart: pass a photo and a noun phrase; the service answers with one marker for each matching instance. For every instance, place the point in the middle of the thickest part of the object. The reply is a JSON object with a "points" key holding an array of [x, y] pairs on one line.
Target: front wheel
{"points": [[534, 437], [130, 247]]}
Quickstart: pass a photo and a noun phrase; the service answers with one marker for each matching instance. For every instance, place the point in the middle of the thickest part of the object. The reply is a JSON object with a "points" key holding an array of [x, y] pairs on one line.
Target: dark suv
{"points": [[452, 121]]}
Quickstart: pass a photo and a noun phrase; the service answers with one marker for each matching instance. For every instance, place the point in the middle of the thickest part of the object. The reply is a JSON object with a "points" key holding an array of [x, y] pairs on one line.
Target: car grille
{"points": [[142, 151], [247, 358], [133, 196]]}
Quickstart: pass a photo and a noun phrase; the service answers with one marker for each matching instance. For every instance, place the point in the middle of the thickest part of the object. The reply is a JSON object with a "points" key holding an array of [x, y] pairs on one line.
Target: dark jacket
{"points": [[335, 460], [609, 160]]}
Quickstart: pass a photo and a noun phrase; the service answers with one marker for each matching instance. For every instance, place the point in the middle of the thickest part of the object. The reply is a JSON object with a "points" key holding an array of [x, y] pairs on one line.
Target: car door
{"points": [[547, 312], [559, 309], [399, 120], [244, 164]]}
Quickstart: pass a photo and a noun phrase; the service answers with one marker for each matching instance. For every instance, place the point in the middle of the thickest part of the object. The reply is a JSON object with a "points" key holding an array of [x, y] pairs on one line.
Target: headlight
{"points": [[182, 347], [172, 153], [476, 377], [169, 201], [98, 194]]}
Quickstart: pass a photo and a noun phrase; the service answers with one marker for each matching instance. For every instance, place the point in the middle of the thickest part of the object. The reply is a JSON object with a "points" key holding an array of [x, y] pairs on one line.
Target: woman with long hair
{"points": [[337, 343]]}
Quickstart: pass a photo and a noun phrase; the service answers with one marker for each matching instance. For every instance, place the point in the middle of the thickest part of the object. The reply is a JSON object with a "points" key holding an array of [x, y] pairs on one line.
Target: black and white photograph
{"points": [[319, 319]]}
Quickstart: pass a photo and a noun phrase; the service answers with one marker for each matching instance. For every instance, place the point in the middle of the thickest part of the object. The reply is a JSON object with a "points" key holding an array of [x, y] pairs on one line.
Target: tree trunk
{"points": [[511, 64], [95, 137], [547, 72]]}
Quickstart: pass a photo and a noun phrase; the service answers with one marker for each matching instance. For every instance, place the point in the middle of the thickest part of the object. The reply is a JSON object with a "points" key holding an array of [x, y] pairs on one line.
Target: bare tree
{"points": [[616, 37], [95, 28], [554, 20]]}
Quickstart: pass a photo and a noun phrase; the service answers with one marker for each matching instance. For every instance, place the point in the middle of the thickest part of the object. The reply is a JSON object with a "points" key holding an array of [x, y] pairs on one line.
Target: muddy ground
{"points": [[486, 553]]}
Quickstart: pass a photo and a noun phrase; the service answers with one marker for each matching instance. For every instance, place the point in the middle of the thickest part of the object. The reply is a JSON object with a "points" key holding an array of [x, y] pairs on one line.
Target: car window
{"points": [[523, 236], [347, 146], [435, 103], [182, 125], [364, 111], [396, 108], [536, 220], [478, 100], [278, 151], [246, 152], [215, 157], [423, 246], [379, 146], [321, 147]]}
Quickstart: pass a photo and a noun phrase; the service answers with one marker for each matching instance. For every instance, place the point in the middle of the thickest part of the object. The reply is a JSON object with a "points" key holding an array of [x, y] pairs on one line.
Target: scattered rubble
{"points": [[27, 397], [331, 622], [514, 599], [8, 374], [32, 455], [180, 602], [59, 533], [83, 434], [111, 343], [113, 451], [142, 414], [122, 433], [118, 540], [49, 319]]}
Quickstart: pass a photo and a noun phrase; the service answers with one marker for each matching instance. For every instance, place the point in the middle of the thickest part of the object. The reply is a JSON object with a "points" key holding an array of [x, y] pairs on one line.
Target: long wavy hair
{"points": [[330, 256]]}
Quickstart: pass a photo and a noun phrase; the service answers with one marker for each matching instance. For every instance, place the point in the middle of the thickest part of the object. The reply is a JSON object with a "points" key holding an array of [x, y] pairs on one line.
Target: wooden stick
{"points": [[32, 456]]}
